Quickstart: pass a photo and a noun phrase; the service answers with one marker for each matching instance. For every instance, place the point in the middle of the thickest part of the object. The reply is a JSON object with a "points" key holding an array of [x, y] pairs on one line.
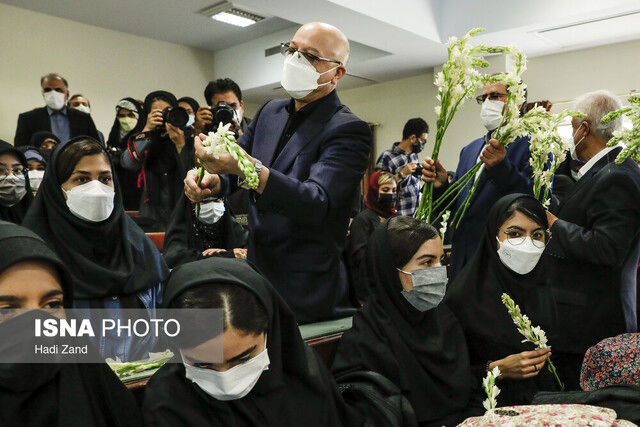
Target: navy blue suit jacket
{"points": [[512, 175], [298, 225]]}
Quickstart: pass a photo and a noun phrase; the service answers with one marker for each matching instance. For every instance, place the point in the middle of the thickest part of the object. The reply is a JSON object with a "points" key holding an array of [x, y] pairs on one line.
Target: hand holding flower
{"points": [[522, 365], [493, 154], [223, 163]]}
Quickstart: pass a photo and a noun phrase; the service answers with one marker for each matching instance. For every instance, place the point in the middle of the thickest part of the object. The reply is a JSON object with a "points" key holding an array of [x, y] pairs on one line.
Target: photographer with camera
{"points": [[401, 160], [224, 99], [154, 153]]}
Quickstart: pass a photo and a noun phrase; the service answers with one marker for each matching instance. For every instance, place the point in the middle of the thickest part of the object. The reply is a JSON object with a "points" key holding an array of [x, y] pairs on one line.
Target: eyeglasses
{"points": [[16, 170], [539, 238], [494, 96], [286, 49]]}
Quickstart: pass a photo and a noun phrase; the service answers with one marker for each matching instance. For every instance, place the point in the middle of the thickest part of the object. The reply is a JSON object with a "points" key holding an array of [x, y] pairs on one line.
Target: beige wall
{"points": [[559, 77], [104, 65]]}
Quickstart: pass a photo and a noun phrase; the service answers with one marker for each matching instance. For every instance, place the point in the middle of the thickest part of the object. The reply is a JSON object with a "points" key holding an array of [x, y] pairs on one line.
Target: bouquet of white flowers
{"points": [[491, 389], [532, 334], [224, 141], [508, 130], [631, 137], [547, 147], [456, 83]]}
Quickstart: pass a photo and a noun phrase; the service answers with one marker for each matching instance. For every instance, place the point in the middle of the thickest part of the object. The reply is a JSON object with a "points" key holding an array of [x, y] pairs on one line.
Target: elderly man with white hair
{"points": [[593, 252]]}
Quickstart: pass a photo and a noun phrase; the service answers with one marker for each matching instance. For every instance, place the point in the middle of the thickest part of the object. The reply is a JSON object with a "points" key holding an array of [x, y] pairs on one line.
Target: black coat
{"points": [[593, 255], [38, 120]]}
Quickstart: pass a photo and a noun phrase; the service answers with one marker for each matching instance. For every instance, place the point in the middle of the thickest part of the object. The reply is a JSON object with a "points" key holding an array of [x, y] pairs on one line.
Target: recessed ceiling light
{"points": [[227, 13]]}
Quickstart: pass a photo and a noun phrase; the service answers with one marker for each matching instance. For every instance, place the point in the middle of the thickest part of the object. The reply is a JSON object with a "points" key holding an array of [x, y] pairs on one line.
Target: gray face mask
{"points": [[12, 189], [429, 286]]}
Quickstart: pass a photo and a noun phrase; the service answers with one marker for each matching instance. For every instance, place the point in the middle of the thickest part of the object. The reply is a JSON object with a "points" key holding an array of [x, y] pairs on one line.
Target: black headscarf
{"points": [[109, 258], [55, 394], [192, 102], [475, 298], [16, 212], [424, 354], [187, 237], [114, 139], [296, 390], [39, 137], [159, 94]]}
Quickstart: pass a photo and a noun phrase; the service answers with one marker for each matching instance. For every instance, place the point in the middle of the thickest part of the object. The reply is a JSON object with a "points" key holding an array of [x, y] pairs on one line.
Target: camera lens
{"points": [[176, 116]]}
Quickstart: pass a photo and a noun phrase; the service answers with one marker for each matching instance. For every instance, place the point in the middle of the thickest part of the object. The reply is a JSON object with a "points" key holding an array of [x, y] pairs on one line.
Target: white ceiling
{"points": [[391, 38]]}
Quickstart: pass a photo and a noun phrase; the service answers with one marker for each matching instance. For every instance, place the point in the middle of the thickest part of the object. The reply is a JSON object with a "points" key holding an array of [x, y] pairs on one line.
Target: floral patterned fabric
{"points": [[612, 361], [548, 415]]}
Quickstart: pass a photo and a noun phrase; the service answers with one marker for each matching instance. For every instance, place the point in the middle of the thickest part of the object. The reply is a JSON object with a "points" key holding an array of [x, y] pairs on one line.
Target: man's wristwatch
{"points": [[258, 167]]}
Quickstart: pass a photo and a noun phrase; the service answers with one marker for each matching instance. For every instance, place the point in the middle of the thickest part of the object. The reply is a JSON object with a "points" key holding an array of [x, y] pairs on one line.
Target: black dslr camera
{"points": [[418, 172], [222, 113], [176, 116]]}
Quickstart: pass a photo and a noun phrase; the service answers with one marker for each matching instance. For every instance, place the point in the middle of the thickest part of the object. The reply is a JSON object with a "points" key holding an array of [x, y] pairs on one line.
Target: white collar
{"points": [[592, 161]]}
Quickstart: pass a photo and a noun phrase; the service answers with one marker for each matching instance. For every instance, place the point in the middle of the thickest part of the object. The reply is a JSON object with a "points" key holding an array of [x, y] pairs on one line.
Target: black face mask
{"points": [[418, 146], [386, 200]]}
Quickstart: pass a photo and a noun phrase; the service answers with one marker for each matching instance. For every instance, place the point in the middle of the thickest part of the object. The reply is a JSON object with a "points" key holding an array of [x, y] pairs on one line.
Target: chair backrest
{"points": [[157, 238], [132, 214]]}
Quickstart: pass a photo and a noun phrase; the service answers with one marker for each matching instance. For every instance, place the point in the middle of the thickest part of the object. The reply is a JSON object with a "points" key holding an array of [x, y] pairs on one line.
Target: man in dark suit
{"points": [[593, 252], [56, 117], [311, 153], [507, 170]]}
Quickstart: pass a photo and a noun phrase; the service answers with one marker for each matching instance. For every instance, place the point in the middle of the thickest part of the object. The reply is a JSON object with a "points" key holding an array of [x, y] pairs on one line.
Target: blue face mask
{"points": [[429, 287], [191, 121]]}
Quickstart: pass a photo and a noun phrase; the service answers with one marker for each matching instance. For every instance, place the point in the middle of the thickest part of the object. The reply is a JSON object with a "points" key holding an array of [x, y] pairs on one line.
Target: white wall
{"points": [[559, 77], [102, 64]]}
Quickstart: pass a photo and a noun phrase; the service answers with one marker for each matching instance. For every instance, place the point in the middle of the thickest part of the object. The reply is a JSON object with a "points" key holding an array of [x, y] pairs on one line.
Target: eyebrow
{"points": [[11, 164], [51, 294], [10, 298], [88, 173], [427, 256], [233, 359], [522, 229]]}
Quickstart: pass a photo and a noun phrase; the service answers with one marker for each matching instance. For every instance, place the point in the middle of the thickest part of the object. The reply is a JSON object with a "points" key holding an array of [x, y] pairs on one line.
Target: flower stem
{"points": [[200, 176], [552, 369]]}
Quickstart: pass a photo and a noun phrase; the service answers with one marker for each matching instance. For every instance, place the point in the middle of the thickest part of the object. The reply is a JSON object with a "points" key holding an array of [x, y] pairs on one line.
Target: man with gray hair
{"points": [[593, 253]]}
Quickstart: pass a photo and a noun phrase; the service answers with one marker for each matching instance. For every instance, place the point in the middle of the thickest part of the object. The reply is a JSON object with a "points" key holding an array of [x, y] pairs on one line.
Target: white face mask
{"points": [[12, 189], [491, 114], [192, 120], [573, 144], [299, 77], [238, 114], [127, 123], [232, 384], [521, 258], [83, 108], [92, 201], [54, 100], [211, 212], [35, 178]]}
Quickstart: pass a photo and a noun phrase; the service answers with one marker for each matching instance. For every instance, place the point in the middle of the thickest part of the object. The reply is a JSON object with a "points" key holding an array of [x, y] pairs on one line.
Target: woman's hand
{"points": [[210, 186], [154, 119], [176, 135], [522, 365]]}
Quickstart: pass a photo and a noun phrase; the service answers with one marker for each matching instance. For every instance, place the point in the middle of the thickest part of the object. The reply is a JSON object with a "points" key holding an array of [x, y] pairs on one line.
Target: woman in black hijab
{"points": [[130, 119], [403, 333], [155, 152], [215, 232], [44, 141], [282, 381], [15, 192], [32, 277], [507, 262], [78, 212]]}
